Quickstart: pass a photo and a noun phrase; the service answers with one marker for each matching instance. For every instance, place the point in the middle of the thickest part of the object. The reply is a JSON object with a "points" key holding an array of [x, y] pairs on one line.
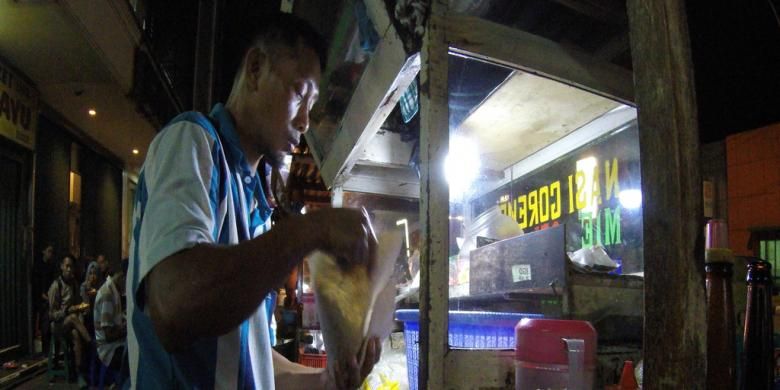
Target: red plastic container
{"points": [[313, 360], [554, 354]]}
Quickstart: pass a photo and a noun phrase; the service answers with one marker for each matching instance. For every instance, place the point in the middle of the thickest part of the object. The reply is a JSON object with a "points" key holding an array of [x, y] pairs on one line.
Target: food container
{"points": [[554, 354], [467, 329]]}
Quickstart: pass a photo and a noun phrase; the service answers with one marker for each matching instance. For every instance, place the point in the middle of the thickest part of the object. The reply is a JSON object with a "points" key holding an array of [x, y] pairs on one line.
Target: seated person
{"points": [[110, 322], [103, 269], [88, 293], [65, 309]]}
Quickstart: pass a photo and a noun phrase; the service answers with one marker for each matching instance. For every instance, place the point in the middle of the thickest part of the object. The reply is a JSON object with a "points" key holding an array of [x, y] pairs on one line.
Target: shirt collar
{"points": [[227, 130], [112, 285]]}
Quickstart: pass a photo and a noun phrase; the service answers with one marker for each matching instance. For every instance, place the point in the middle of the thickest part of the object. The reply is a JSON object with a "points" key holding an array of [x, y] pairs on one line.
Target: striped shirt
{"points": [[108, 312], [196, 187]]}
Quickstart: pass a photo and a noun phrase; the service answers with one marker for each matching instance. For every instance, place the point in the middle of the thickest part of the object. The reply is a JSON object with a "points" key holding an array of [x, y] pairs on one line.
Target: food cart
{"points": [[549, 136]]}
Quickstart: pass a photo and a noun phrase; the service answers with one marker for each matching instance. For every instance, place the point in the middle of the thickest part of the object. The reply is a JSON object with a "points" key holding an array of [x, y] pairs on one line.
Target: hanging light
{"points": [[630, 199], [462, 164]]}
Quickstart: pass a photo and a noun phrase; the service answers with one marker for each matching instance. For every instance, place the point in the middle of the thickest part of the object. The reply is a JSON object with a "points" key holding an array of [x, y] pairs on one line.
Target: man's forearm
{"points": [[209, 289], [57, 311]]}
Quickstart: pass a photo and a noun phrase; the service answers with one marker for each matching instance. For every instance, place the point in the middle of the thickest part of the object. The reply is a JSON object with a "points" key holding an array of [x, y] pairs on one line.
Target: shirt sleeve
{"points": [[180, 180], [104, 312], [56, 306], [83, 292]]}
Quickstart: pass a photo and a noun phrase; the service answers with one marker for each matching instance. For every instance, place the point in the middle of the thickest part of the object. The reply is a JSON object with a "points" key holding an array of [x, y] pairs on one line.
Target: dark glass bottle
{"points": [[758, 373], [721, 330]]}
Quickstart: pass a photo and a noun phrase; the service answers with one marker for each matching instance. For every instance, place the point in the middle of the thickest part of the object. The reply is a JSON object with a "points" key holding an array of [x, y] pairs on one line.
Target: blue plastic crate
{"points": [[468, 329]]}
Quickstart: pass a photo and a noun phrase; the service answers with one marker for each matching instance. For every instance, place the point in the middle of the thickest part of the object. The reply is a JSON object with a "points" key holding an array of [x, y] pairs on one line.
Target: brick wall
{"points": [[753, 166]]}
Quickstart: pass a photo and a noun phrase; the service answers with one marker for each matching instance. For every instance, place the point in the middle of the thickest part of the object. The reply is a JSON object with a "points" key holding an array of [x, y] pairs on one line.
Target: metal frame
{"points": [[387, 75]]}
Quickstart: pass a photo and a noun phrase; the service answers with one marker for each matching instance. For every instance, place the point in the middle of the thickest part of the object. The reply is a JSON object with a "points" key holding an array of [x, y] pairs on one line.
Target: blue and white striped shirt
{"points": [[196, 187]]}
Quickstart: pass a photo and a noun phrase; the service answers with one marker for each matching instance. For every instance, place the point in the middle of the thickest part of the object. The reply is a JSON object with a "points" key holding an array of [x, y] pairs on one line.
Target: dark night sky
{"points": [[736, 54]]}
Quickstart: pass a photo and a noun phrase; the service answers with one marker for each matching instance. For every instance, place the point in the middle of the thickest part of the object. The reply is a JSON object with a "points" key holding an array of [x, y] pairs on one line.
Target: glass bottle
{"points": [[721, 329], [758, 373]]}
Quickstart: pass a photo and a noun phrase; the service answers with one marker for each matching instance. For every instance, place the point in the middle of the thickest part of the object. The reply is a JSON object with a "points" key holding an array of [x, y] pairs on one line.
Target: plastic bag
{"points": [[592, 259]]}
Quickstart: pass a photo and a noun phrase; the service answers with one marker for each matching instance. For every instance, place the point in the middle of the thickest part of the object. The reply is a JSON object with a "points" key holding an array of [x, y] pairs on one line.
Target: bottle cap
{"points": [[759, 271]]}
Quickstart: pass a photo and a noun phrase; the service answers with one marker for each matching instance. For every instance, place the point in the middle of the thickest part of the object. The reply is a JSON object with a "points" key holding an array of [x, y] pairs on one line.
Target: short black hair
{"points": [[253, 30], [70, 256], [289, 30]]}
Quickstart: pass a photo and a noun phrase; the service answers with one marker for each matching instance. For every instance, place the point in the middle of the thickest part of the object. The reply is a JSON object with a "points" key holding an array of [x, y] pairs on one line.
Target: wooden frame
{"points": [[383, 180], [434, 201], [386, 77], [674, 337], [504, 45]]}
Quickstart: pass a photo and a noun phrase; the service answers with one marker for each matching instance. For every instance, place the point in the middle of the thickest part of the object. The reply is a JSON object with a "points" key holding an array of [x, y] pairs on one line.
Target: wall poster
{"points": [[18, 108]]}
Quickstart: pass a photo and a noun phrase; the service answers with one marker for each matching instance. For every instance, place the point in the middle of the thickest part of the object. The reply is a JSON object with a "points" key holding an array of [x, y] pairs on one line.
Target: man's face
{"points": [[48, 253], [92, 276], [102, 263], [119, 281], [67, 268], [284, 92]]}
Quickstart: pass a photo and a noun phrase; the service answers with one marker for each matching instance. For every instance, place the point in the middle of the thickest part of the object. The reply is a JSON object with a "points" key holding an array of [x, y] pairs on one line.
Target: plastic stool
{"points": [[52, 370]]}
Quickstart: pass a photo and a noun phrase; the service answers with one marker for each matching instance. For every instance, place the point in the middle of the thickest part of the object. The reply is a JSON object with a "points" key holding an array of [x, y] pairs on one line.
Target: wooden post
{"points": [[434, 201], [675, 317]]}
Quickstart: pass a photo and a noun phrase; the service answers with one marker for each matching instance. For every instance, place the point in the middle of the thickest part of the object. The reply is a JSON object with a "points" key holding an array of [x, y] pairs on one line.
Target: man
{"points": [[202, 263], [110, 323], [44, 272], [64, 310]]}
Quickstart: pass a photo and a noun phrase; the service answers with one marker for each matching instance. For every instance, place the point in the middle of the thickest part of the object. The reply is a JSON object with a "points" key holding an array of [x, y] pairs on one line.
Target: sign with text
{"points": [[18, 108], [594, 190]]}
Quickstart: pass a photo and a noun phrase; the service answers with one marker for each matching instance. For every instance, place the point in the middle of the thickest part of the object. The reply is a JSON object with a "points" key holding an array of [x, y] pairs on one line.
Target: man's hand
{"points": [[345, 233], [231, 281], [352, 376], [294, 376], [82, 307]]}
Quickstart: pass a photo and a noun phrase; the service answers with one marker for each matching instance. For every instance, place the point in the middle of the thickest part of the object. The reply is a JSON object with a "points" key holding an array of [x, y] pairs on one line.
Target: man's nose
{"points": [[301, 120]]}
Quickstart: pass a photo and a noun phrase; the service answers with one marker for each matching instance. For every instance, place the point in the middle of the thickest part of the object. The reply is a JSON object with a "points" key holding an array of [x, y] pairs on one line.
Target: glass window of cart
{"points": [[545, 219]]}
